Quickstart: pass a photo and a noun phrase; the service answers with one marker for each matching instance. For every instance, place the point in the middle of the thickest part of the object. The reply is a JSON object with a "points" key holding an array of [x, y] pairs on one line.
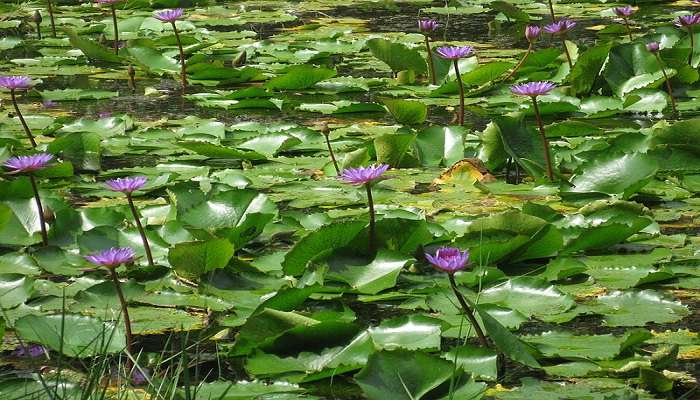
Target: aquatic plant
{"points": [[624, 13], [428, 26], [37, 19], [654, 48], [113, 10], [173, 16], [561, 28], [111, 259], [49, 4], [454, 54], [533, 90], [366, 176], [14, 83], [551, 11], [28, 165], [687, 22], [451, 260], [128, 186], [532, 34], [326, 131]]}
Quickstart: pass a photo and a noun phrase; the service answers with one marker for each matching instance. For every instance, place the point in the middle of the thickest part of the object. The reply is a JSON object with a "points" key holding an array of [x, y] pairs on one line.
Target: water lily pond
{"points": [[368, 199]]}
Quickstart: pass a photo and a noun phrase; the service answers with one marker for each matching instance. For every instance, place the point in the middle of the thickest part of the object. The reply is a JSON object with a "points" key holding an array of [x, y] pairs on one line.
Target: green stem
{"points": [[692, 45], [669, 88], [142, 232], [566, 50], [520, 64], [21, 118], [468, 312], [125, 313], [40, 210], [332, 155], [431, 63], [116, 29], [545, 142], [551, 12], [460, 115], [372, 222], [53, 23], [629, 30], [183, 73]]}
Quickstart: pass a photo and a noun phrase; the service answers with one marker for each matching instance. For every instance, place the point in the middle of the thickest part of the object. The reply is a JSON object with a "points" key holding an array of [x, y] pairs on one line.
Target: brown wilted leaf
{"points": [[468, 170]]}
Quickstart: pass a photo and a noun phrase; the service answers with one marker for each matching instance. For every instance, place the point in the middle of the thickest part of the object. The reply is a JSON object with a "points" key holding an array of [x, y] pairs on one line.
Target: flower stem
{"points": [[692, 45], [183, 73], [669, 88], [116, 29], [431, 63], [125, 312], [551, 11], [520, 63], [38, 30], [468, 311], [330, 152], [566, 51], [40, 210], [21, 118], [135, 213], [545, 142], [132, 78], [629, 30], [460, 115], [53, 23], [372, 222]]}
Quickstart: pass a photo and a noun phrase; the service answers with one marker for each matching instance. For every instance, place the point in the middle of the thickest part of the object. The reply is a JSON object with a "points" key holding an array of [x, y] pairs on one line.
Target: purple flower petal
{"points": [[16, 82], [687, 21], [449, 259], [533, 89], [454, 52], [560, 27], [532, 32], [113, 257], [24, 164], [362, 175], [427, 25], [127, 185], [624, 12], [169, 15]]}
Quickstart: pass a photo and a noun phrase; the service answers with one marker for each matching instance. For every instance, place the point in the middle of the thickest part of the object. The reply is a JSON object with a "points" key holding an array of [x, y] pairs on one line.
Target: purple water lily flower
{"points": [[532, 33], [449, 259], [455, 52], [363, 175], [48, 104], [560, 27], [127, 185], [685, 21], [24, 164], [113, 257], [653, 47], [32, 351], [624, 12], [428, 25], [169, 15], [107, 1], [104, 114], [16, 82], [533, 89]]}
